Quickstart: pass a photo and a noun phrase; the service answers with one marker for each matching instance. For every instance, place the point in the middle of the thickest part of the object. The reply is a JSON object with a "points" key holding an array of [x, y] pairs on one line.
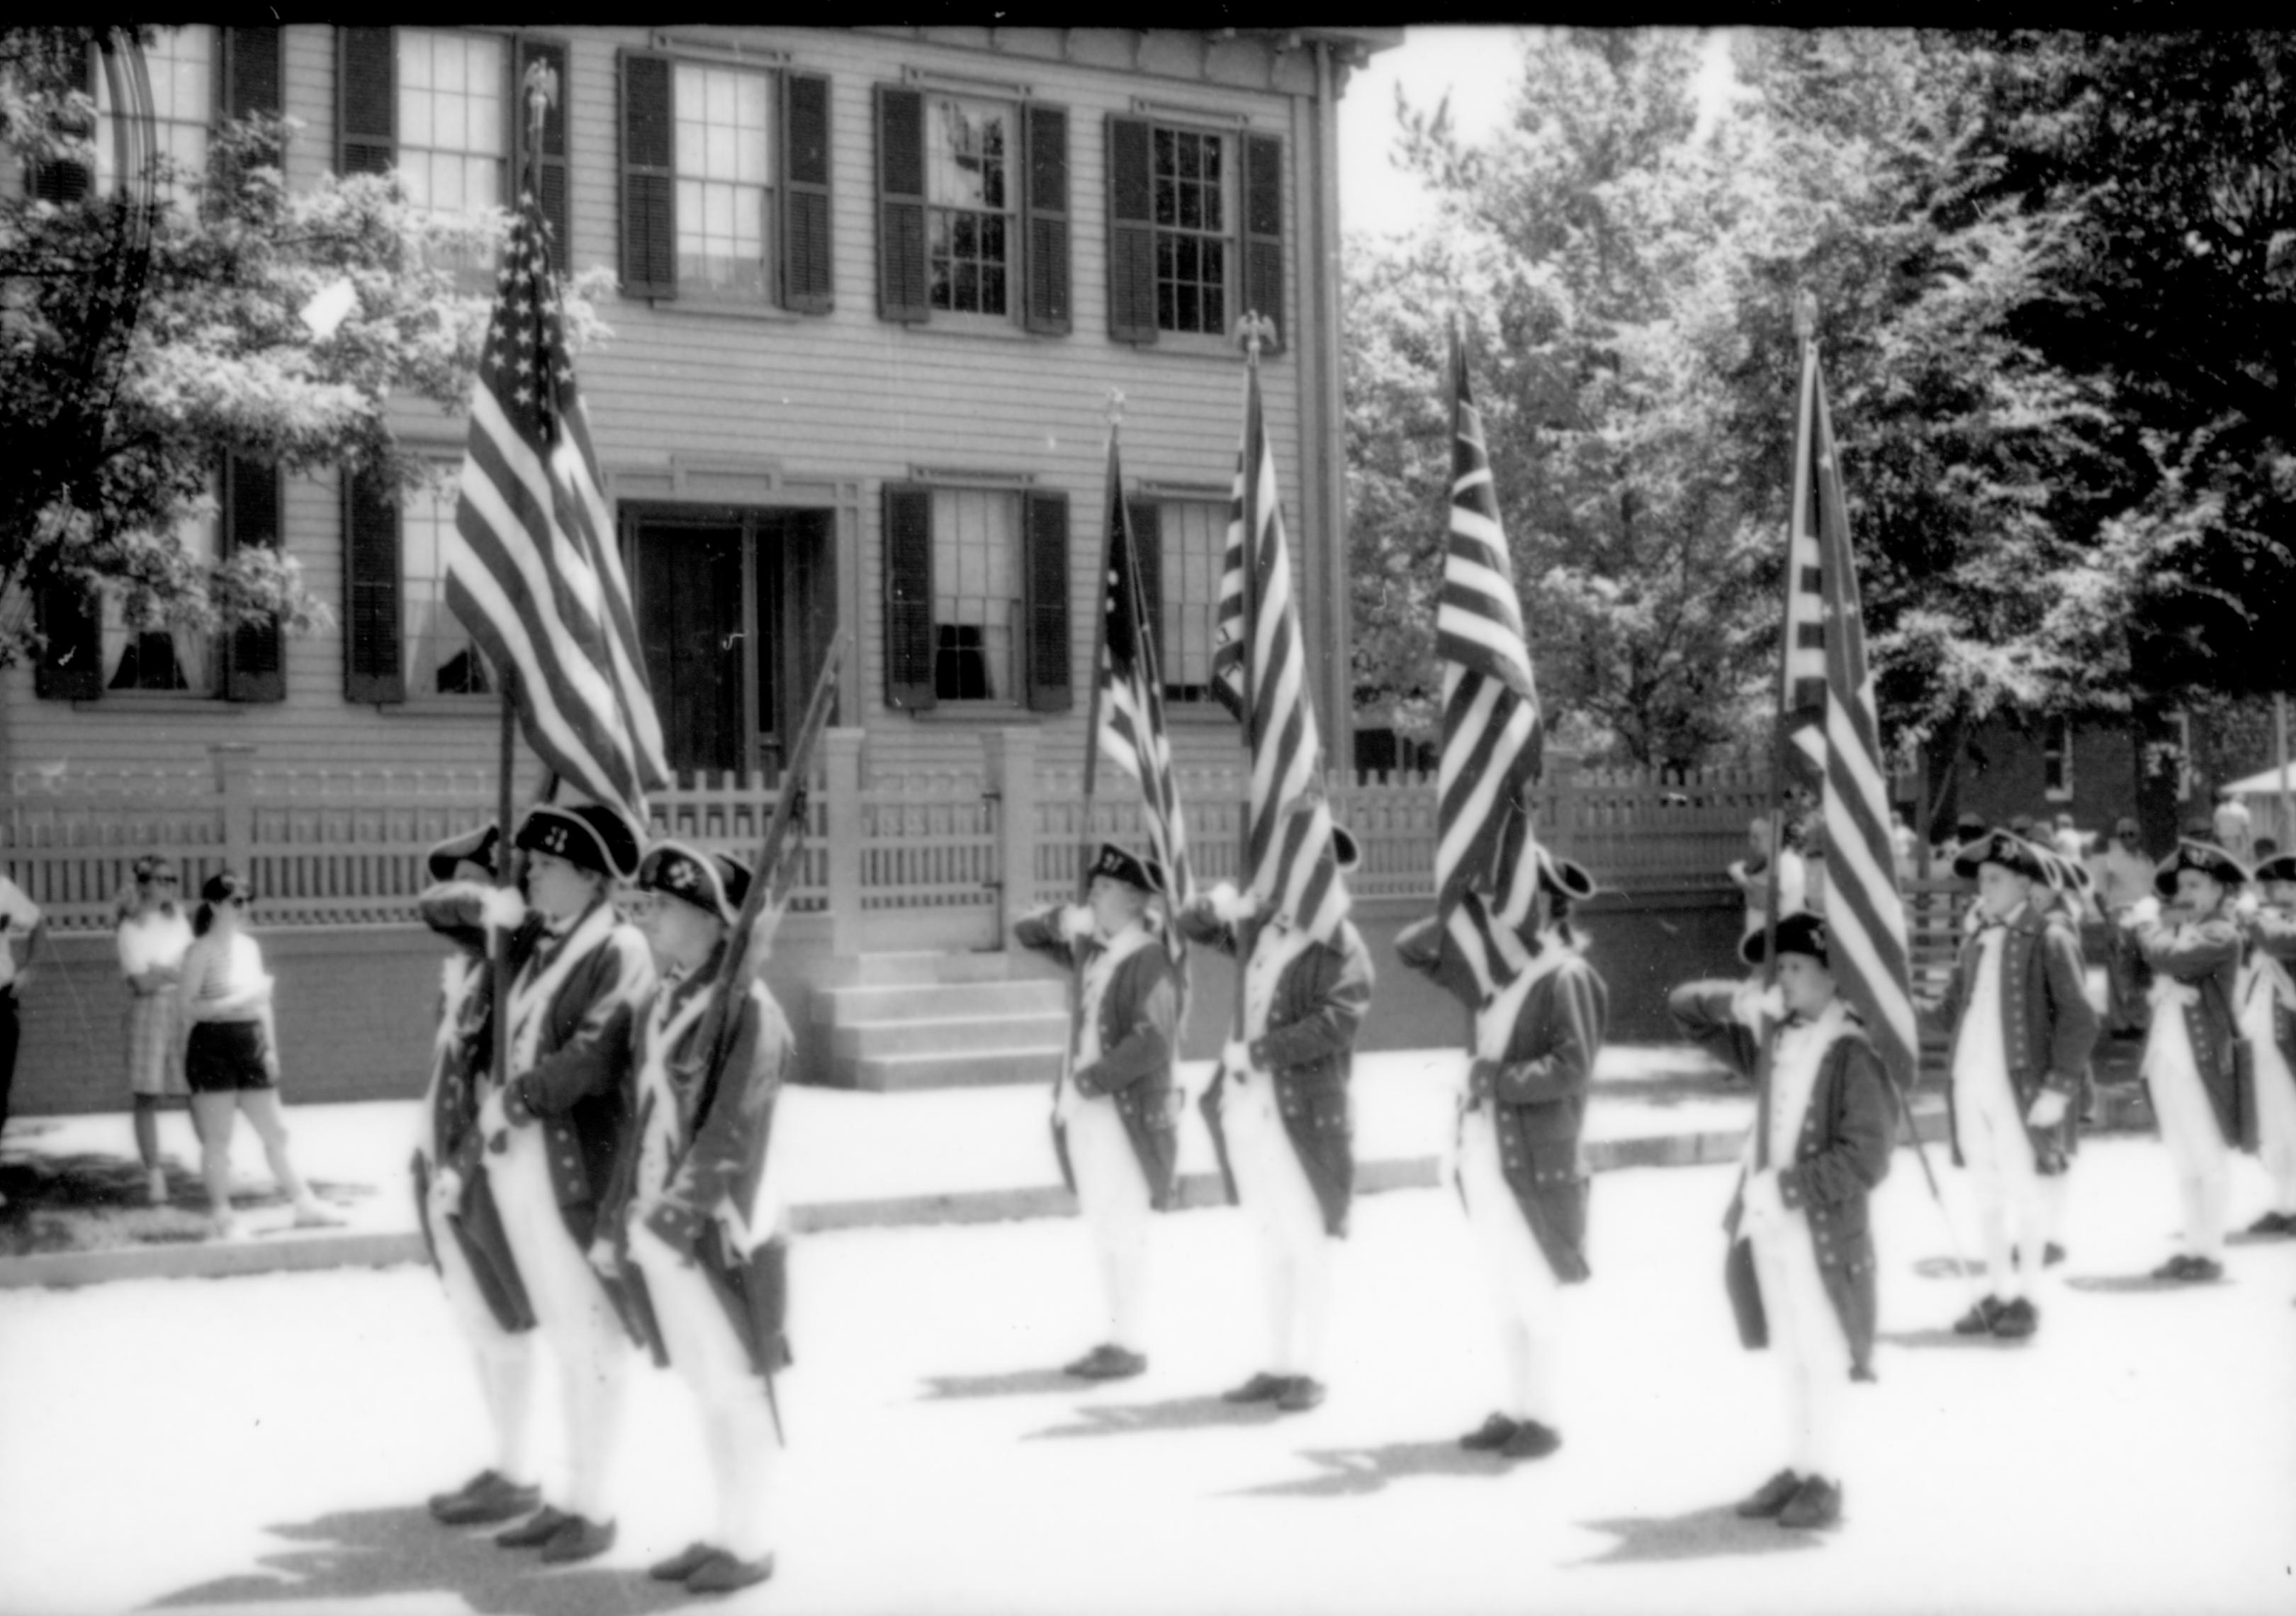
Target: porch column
{"points": [[235, 796], [841, 774], [1008, 759]]}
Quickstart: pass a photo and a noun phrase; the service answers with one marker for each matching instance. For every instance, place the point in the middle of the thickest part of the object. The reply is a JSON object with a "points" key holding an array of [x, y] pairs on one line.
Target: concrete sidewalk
{"points": [[856, 1160]]}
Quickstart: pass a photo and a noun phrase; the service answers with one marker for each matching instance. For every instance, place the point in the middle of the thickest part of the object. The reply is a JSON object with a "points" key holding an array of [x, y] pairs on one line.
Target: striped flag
{"points": [[1485, 842], [1835, 742], [531, 569], [1260, 671], [1130, 701]]}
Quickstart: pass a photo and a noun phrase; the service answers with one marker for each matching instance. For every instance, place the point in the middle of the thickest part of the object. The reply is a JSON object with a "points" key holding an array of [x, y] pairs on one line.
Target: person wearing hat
{"points": [[461, 1227], [152, 937], [2267, 1001], [2017, 1007], [1540, 1012], [695, 1209], [1801, 1274], [1115, 1111], [1702, 1010], [2124, 878], [551, 1131], [1280, 1107], [2192, 1066]]}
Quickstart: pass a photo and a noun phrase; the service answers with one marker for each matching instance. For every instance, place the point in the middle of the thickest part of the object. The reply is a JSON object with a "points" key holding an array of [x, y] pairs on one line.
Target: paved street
{"points": [[262, 1444]]}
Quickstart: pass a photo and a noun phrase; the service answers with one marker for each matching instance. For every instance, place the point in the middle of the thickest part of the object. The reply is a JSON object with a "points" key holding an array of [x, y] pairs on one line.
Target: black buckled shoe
{"points": [[1979, 1319], [1300, 1393], [684, 1564], [1261, 1387], [2017, 1320], [1817, 1502], [489, 1497], [1490, 1436], [721, 1573], [1765, 1501], [1531, 1440], [578, 1537], [2201, 1269], [537, 1529], [1107, 1362]]}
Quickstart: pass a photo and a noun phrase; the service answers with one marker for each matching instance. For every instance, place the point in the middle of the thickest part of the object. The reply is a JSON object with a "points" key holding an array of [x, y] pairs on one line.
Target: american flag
{"points": [[1484, 841], [1260, 671], [531, 569], [1836, 742], [1130, 700]]}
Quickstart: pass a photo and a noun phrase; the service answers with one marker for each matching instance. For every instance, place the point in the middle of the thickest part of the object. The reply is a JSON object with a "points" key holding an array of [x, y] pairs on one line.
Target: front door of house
{"points": [[734, 608]]}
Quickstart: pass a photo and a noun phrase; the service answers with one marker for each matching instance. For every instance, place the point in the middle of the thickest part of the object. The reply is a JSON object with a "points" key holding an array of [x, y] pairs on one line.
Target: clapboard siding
{"points": [[839, 399]]}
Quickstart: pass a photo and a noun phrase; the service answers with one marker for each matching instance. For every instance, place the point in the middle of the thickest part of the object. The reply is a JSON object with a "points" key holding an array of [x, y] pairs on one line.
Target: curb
{"points": [[2117, 1112]]}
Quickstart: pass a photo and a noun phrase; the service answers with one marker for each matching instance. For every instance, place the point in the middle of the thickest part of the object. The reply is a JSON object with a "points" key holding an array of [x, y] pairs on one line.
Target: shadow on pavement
{"points": [[1704, 1534], [1937, 1337], [1016, 1382], [367, 1553], [1947, 1268], [2130, 1284], [1349, 1472], [1177, 1413]]}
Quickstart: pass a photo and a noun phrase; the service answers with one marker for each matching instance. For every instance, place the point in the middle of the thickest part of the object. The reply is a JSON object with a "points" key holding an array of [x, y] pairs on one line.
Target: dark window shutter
{"points": [[373, 669], [808, 277], [252, 670], [1044, 532], [1044, 226], [909, 599], [649, 178], [251, 71], [549, 159], [1131, 231], [1263, 232], [366, 100], [71, 661], [66, 183], [1148, 558], [902, 292]]}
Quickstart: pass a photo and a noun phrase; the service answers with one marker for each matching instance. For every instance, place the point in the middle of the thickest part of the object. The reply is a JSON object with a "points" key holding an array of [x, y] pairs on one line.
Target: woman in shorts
{"points": [[231, 1057]]}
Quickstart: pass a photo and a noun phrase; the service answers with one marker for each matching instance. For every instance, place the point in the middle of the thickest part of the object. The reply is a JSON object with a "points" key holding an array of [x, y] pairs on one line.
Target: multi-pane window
{"points": [[181, 63], [163, 656], [725, 178], [969, 149], [1194, 534], [440, 659], [1194, 189], [454, 126], [976, 539]]}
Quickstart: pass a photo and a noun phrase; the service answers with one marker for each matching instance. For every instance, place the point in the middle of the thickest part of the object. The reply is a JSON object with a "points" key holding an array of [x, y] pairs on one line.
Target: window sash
{"points": [[454, 119], [1194, 180], [182, 65], [976, 538], [723, 162], [1194, 538]]}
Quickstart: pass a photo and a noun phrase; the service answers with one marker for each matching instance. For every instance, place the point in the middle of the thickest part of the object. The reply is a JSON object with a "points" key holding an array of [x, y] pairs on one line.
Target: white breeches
{"points": [[1113, 1195], [573, 1315], [1524, 1294], [1296, 1255], [2188, 1128], [737, 1422], [505, 1359], [2275, 1121], [1806, 1335], [1998, 1153]]}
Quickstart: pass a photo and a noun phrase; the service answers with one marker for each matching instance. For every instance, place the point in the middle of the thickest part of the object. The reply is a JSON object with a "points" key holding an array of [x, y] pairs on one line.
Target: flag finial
{"points": [[1252, 332], [1115, 407], [1805, 315]]}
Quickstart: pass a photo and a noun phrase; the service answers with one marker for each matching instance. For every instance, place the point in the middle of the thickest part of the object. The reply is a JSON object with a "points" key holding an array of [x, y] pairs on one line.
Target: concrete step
{"points": [[916, 967], [952, 1035], [936, 1001], [982, 1069]]}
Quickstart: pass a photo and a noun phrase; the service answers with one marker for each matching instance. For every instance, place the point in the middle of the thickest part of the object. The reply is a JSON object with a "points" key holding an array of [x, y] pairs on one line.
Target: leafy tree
{"points": [[141, 343]]}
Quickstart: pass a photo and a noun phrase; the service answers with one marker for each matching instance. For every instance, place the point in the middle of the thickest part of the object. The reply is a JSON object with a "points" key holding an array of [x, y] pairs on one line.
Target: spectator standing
{"points": [[153, 935], [2069, 841], [2234, 827], [2124, 877], [18, 917], [231, 1053]]}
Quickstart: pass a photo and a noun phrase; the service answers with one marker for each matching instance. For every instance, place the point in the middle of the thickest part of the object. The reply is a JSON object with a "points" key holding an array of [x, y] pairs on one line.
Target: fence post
{"points": [[235, 794], [1008, 767], [842, 773]]}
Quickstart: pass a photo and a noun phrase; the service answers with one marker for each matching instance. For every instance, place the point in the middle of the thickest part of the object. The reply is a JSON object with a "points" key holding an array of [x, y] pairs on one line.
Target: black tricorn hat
{"points": [[476, 845], [589, 835], [1117, 865], [2280, 866], [2011, 852], [2206, 857], [1564, 876], [715, 883], [1800, 933]]}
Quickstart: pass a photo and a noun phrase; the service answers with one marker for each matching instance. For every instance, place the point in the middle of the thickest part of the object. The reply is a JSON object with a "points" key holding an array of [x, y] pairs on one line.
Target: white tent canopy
{"points": [[2264, 782]]}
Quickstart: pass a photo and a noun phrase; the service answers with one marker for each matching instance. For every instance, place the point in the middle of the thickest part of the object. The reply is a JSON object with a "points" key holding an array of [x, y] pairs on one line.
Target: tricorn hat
{"points": [[1800, 933], [1144, 873], [2280, 866], [714, 882], [2011, 852], [589, 835], [2208, 858], [476, 845]]}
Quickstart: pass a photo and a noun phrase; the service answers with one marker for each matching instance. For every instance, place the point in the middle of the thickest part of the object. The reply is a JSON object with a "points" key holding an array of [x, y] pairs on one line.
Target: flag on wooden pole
{"points": [[1131, 705], [1260, 671], [1834, 741], [531, 570]]}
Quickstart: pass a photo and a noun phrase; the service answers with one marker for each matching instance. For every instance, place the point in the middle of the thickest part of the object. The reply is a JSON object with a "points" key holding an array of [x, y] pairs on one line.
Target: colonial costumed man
{"points": [[1539, 1021], [2268, 1020], [460, 1226], [1801, 1270], [550, 1132], [1115, 1114], [694, 1208], [1280, 1103], [2022, 1027], [2192, 1072]]}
